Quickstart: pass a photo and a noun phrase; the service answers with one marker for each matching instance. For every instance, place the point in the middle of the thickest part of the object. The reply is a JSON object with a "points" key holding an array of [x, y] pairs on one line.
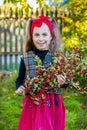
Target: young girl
{"points": [[42, 39]]}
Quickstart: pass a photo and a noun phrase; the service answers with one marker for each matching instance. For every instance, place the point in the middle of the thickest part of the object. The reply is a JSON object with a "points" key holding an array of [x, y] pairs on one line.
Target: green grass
{"points": [[10, 107], [76, 110], [10, 104]]}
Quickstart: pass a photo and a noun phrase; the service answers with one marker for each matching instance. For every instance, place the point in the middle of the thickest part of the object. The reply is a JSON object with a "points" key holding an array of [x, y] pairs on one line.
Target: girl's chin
{"points": [[41, 48]]}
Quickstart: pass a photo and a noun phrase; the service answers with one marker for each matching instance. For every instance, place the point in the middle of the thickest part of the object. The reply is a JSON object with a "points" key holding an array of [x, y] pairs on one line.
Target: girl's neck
{"points": [[41, 53]]}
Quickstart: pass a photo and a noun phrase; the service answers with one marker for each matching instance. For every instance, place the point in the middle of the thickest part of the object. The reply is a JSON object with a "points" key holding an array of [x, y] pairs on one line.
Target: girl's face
{"points": [[42, 37]]}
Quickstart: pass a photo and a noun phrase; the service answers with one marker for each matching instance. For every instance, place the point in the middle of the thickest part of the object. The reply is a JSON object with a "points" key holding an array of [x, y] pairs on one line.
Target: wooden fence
{"points": [[12, 37]]}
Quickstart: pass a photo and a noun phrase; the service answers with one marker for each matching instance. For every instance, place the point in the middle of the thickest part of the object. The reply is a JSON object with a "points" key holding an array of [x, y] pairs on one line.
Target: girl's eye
{"points": [[36, 34], [44, 34]]}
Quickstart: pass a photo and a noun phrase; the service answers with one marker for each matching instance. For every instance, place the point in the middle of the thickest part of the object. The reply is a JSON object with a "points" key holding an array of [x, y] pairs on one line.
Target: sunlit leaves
{"points": [[75, 25]]}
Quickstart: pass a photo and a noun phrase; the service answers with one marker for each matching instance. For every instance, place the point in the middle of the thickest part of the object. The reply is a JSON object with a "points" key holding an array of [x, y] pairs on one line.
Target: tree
{"points": [[75, 28], [40, 2]]}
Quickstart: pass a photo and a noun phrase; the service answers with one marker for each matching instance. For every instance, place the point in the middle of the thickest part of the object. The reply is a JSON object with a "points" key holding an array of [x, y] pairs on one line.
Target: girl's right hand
{"points": [[20, 90], [61, 79]]}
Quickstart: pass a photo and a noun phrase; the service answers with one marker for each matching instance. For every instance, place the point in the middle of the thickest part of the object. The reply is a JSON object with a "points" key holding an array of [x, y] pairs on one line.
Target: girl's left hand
{"points": [[61, 79]]}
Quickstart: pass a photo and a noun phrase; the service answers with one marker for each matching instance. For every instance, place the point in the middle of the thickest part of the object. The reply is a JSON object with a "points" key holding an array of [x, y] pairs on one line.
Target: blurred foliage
{"points": [[41, 3], [75, 25], [23, 9]]}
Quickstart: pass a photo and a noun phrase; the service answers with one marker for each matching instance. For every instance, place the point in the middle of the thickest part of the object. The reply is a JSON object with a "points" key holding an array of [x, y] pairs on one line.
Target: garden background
{"points": [[72, 21]]}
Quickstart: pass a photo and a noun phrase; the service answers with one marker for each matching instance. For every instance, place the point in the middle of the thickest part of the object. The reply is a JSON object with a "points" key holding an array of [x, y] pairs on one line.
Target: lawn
{"points": [[10, 106]]}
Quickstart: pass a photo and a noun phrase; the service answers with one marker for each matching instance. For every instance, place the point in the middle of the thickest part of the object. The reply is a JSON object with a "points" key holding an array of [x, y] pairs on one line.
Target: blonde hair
{"points": [[55, 42]]}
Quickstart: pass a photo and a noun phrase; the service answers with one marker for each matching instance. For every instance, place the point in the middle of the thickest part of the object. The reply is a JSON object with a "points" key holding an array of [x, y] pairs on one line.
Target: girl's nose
{"points": [[40, 38]]}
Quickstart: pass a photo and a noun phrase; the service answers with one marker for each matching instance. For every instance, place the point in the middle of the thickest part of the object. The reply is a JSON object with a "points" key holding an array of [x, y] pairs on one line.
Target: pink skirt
{"points": [[45, 116]]}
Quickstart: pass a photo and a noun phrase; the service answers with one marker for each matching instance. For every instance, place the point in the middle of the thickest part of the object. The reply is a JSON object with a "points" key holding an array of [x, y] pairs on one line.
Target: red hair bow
{"points": [[38, 22]]}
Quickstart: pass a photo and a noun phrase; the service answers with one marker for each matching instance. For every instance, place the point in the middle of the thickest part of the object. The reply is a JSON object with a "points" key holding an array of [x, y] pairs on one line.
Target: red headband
{"points": [[38, 22]]}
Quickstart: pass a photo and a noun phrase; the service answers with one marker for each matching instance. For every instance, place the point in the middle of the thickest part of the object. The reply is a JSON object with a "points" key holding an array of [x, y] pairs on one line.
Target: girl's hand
{"points": [[61, 79], [20, 90]]}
